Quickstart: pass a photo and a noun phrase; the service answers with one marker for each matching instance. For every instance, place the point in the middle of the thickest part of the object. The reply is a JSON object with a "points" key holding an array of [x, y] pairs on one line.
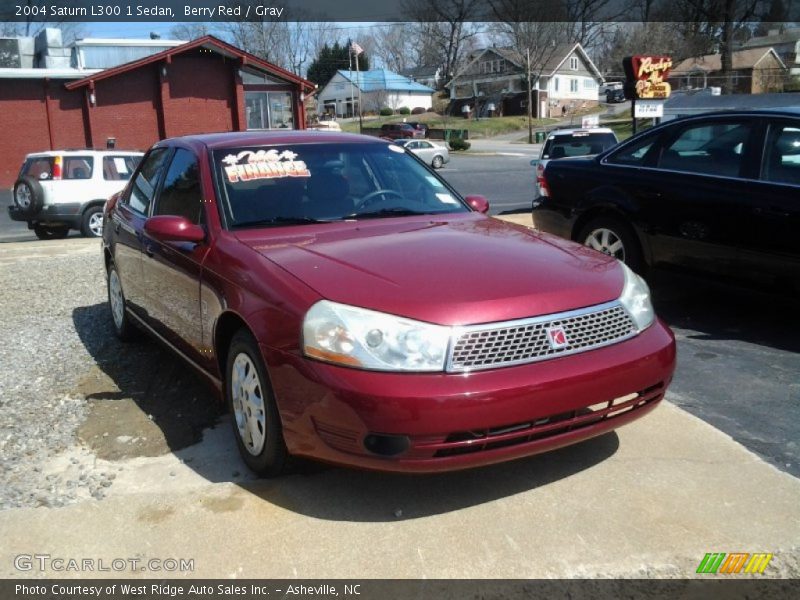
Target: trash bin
{"points": [[540, 135]]}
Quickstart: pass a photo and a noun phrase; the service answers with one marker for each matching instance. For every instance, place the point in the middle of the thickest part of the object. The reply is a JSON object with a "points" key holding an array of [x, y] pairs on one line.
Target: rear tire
{"points": [[437, 162], [254, 414], [51, 233], [92, 222], [613, 237]]}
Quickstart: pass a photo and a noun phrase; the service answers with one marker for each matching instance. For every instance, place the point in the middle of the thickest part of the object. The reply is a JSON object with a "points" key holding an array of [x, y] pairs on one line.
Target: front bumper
{"points": [[456, 421], [51, 214]]}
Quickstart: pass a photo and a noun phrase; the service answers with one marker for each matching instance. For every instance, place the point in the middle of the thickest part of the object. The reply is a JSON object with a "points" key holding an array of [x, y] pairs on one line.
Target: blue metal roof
{"points": [[384, 80]]}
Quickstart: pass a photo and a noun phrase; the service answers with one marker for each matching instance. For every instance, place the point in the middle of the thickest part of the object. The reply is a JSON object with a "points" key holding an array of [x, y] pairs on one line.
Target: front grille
{"points": [[526, 340], [469, 442]]}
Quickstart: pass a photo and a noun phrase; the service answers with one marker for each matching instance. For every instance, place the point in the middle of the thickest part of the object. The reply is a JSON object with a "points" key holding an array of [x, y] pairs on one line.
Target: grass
{"points": [[487, 127], [624, 129]]}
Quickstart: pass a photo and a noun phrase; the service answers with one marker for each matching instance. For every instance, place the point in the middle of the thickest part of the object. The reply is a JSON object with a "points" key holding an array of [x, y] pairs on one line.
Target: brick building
{"points": [[202, 86]]}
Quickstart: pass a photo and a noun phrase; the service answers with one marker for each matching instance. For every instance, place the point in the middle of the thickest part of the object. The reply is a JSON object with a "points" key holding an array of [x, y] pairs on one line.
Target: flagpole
{"points": [[352, 92], [358, 85]]}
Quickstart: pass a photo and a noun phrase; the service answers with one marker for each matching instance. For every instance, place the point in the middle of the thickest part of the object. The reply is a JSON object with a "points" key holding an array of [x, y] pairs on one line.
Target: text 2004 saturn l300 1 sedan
{"points": [[351, 307]]}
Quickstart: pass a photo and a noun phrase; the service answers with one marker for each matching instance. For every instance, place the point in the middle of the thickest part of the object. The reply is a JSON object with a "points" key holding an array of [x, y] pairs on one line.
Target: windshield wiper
{"points": [[385, 212], [280, 221]]}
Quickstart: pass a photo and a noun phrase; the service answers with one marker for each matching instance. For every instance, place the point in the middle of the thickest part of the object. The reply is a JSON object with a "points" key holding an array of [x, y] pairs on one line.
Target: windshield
{"points": [[306, 183], [578, 144]]}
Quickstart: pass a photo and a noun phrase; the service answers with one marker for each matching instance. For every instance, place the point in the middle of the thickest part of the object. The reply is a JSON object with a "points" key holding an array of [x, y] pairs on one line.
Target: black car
{"points": [[716, 194]]}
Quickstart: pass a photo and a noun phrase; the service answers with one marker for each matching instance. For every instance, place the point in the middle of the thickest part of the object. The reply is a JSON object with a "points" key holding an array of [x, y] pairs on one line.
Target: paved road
{"points": [[506, 180]]}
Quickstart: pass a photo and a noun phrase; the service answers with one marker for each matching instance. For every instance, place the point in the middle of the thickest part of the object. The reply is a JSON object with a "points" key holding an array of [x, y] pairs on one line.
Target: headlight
{"points": [[636, 299], [358, 337]]}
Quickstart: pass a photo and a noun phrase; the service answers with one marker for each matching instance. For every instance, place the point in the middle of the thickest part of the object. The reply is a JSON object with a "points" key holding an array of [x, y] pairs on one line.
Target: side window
{"points": [[144, 186], [711, 149], [633, 155], [782, 155], [78, 167], [181, 194], [119, 168]]}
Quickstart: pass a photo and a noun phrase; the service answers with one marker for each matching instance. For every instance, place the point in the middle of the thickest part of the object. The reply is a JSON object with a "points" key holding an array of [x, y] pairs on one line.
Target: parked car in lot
{"points": [[65, 189], [396, 131], [563, 143], [715, 194], [325, 284], [436, 155], [615, 95]]}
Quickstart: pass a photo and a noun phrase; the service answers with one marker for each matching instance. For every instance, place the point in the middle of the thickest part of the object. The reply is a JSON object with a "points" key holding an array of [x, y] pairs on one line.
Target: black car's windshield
{"points": [[308, 183]]}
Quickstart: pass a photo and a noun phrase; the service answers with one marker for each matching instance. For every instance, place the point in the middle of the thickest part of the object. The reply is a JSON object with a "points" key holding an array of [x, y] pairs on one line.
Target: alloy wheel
{"points": [[607, 242]]}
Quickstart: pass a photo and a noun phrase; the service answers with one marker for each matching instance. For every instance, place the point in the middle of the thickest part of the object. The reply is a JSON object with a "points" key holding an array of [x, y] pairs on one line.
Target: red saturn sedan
{"points": [[351, 307]]}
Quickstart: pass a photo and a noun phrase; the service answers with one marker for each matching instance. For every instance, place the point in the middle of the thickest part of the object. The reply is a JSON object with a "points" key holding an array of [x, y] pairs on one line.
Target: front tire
{"points": [[123, 326], [615, 238], [256, 422], [92, 222]]}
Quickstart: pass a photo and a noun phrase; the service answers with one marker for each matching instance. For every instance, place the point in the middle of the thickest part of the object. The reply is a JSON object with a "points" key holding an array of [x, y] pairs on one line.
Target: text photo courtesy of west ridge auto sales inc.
{"points": [[487, 298]]}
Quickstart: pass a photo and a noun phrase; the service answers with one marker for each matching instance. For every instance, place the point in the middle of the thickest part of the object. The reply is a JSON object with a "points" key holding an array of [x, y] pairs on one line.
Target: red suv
{"points": [[350, 306], [397, 131]]}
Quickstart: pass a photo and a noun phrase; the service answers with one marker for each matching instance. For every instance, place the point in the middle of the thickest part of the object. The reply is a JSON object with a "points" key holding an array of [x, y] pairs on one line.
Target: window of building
{"points": [[555, 84], [573, 63], [573, 85], [269, 110]]}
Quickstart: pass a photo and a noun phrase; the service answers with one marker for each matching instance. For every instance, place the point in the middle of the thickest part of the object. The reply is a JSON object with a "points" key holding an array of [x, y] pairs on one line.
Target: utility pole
{"points": [[530, 96]]}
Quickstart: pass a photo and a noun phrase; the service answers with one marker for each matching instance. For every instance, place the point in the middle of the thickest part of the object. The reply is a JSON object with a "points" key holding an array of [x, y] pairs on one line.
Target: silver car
{"points": [[433, 154], [563, 143]]}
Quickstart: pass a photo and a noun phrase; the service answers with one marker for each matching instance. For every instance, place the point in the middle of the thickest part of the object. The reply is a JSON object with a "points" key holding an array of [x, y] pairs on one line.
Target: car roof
{"points": [[581, 130], [214, 141], [82, 152]]}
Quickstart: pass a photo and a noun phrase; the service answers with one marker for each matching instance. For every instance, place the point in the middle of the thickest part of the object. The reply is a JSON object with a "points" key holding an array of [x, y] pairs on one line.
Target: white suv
{"points": [[61, 190]]}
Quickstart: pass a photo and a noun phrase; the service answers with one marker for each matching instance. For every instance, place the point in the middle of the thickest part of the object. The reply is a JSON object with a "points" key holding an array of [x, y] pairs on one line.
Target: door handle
{"points": [[771, 210]]}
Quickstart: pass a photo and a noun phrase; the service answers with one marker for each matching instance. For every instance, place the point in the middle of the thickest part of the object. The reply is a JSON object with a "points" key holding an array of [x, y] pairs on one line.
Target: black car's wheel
{"points": [[51, 233], [92, 222], [256, 422], [437, 162], [123, 326], [615, 238], [28, 195]]}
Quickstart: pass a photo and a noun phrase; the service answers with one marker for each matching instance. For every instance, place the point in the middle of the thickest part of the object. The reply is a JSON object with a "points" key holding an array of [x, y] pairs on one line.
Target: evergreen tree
{"points": [[333, 58]]}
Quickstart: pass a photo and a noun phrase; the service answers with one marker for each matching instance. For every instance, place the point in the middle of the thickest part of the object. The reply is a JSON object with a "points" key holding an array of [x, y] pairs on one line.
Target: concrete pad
{"points": [[648, 500]]}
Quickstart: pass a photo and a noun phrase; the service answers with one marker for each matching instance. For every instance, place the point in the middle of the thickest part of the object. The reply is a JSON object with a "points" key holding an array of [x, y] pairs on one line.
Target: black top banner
{"points": [[510, 11]]}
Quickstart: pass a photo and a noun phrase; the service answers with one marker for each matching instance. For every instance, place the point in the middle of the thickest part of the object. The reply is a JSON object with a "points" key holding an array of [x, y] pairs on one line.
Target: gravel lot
{"points": [[61, 364]]}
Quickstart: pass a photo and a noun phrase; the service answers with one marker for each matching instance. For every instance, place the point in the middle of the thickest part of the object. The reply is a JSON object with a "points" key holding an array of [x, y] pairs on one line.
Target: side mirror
{"points": [[478, 203], [170, 228]]}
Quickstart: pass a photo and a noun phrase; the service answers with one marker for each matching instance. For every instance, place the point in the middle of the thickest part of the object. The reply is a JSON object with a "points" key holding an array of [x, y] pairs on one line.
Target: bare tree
{"points": [[190, 31], [393, 45], [445, 26]]}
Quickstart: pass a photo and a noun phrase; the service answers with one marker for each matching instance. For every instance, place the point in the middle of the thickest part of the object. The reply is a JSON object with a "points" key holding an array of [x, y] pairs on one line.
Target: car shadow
{"points": [[710, 310], [140, 387]]}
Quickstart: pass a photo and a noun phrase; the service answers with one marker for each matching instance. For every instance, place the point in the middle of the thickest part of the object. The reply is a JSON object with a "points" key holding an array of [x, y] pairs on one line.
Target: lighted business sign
{"points": [[647, 76]]}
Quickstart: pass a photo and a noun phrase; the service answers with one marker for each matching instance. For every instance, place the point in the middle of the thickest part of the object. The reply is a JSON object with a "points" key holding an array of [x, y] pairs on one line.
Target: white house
{"points": [[376, 88], [564, 76]]}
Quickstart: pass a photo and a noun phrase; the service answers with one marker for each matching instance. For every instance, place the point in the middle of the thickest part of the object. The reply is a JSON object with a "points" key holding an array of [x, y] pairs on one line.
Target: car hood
{"points": [[449, 269]]}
